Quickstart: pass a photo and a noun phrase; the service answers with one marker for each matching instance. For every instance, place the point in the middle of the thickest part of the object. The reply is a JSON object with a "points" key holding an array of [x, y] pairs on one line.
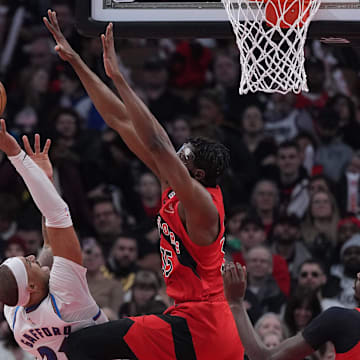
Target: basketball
{"points": [[2, 98]]}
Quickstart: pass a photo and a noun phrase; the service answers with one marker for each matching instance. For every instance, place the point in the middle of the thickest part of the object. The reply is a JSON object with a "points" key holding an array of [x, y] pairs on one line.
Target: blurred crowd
{"points": [[292, 193]]}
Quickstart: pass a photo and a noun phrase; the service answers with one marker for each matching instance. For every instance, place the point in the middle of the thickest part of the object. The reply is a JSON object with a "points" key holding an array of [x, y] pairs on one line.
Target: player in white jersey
{"points": [[43, 307]]}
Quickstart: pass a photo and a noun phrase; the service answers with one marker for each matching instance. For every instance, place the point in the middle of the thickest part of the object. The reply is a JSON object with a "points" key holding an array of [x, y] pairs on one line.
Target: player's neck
{"points": [[35, 301]]}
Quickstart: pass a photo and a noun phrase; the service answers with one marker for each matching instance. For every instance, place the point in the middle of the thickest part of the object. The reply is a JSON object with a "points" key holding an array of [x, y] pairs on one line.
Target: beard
{"points": [[284, 240]]}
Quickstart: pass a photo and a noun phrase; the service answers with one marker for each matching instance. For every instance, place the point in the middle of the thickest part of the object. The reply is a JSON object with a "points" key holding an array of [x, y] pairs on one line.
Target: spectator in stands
{"points": [[66, 19], [286, 242], [163, 103], [8, 223], [262, 291], [271, 340], [349, 186], [83, 145], [345, 107], [36, 102], [316, 98], [145, 297], [347, 227], [281, 117], [226, 77], [292, 179], [321, 219], [10, 182], [40, 53], [122, 260], [8, 211], [302, 306], [347, 270], [312, 275], [233, 221], [265, 202], [212, 123], [307, 146], [252, 234], [179, 130], [271, 323], [149, 197], [332, 154], [73, 93], [320, 182], [106, 291], [211, 112], [15, 246], [108, 223], [33, 239], [262, 148], [69, 182], [189, 66], [114, 154], [147, 234]]}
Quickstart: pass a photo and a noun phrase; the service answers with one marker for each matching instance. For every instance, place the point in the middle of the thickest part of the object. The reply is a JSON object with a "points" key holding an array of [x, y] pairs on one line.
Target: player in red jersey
{"points": [[191, 222], [338, 325]]}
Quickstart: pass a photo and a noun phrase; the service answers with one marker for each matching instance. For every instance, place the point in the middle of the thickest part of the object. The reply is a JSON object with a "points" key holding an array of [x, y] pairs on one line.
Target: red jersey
{"points": [[191, 272], [200, 325]]}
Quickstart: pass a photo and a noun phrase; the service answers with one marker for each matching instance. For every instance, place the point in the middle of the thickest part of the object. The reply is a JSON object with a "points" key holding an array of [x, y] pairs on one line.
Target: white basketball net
{"points": [[271, 57]]}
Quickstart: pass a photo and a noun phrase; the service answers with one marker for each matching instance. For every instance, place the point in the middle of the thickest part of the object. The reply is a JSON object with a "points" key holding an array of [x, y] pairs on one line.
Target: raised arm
{"points": [[200, 212], [62, 237], [41, 159], [294, 348], [110, 107]]}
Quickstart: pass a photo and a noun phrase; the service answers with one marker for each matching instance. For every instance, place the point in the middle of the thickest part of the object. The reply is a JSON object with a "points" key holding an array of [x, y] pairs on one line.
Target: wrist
{"points": [[15, 152], [236, 304], [117, 76], [14, 149], [74, 59]]}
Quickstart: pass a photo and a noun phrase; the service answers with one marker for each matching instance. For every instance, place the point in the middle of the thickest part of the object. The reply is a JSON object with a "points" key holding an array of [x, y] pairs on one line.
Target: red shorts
{"points": [[188, 331]]}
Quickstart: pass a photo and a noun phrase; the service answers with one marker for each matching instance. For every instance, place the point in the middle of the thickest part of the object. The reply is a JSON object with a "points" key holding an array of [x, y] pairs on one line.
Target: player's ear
{"points": [[31, 287], [199, 174]]}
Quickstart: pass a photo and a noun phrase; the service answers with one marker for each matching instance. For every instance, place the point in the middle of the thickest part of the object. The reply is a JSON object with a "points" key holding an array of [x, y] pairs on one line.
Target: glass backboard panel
{"points": [[337, 19]]}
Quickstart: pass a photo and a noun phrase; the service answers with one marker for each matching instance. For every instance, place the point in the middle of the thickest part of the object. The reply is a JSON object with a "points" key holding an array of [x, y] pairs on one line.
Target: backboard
{"points": [[337, 21]]}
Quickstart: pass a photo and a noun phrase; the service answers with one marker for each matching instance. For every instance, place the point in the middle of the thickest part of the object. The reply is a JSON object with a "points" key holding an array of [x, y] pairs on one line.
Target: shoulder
{"points": [[332, 319], [336, 313], [66, 275], [61, 263]]}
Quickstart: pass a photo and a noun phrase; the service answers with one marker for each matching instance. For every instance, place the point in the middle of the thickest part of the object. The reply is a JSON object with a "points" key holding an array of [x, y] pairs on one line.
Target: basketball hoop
{"points": [[270, 35]]}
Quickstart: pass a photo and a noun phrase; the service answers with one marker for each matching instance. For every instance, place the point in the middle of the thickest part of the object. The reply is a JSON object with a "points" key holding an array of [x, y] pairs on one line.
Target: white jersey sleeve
{"points": [[9, 313], [69, 286]]}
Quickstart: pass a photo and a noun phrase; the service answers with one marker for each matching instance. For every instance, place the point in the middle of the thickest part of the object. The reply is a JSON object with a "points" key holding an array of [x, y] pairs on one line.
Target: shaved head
{"points": [[8, 287]]}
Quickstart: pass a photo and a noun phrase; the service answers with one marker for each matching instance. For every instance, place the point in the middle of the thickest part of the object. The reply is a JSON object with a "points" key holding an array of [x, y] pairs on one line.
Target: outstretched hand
{"points": [[8, 143], [41, 158], [110, 59], [234, 277], [63, 48]]}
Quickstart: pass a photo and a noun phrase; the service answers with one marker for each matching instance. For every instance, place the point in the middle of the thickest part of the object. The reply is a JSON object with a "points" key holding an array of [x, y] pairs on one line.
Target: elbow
{"points": [[156, 144]]}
